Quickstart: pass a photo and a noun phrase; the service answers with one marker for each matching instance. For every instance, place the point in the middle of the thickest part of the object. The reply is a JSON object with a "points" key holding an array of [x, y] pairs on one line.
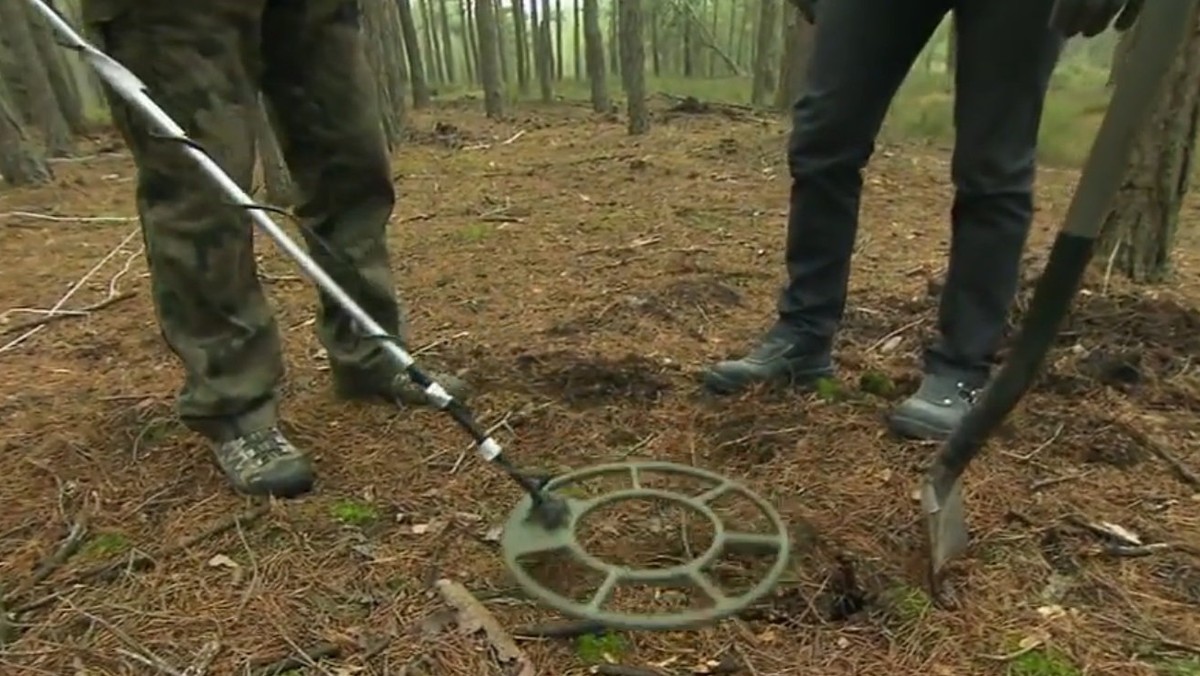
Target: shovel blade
{"points": [[945, 524]]}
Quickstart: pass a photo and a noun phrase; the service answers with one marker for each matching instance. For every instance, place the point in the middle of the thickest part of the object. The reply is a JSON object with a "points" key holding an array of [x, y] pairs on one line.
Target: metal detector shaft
{"points": [[134, 92], [1159, 34]]}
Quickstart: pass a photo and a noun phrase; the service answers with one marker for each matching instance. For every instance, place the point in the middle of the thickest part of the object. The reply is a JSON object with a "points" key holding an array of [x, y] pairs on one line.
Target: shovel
{"points": [[1157, 39]]}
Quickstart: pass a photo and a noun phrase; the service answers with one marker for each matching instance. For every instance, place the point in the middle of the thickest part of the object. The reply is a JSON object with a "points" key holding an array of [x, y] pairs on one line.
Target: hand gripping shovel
{"points": [[1160, 33]]}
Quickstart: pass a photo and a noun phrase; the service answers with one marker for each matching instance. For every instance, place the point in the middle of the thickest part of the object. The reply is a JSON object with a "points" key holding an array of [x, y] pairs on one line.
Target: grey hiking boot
{"points": [[399, 389], [265, 463], [777, 360], [935, 409]]}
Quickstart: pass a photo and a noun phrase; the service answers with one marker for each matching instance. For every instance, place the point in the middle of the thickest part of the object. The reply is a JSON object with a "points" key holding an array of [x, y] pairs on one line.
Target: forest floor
{"points": [[582, 278]]}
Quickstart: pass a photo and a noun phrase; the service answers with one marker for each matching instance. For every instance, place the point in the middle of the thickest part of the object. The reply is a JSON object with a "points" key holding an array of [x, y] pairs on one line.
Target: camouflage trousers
{"points": [[205, 63]]}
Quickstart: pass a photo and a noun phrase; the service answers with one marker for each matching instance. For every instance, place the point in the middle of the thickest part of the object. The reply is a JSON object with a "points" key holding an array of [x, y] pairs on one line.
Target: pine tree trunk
{"points": [[521, 36], [797, 44], [633, 65], [489, 58], [21, 161], [765, 60], [1139, 235], [412, 48], [447, 42], [24, 67], [546, 57], [594, 48], [577, 28], [62, 80]]}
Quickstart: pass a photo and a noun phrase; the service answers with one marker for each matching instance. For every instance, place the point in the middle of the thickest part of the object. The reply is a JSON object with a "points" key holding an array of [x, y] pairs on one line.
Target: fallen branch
{"points": [[560, 629], [135, 651], [67, 219], [142, 561], [69, 547], [57, 315], [474, 617], [1181, 470], [290, 662]]}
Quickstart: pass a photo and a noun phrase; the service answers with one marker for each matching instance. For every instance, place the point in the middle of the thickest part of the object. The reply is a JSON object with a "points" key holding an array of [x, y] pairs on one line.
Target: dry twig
{"points": [[474, 617]]}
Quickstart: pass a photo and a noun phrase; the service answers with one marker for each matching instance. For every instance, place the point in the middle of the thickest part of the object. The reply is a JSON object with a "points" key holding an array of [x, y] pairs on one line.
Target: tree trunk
{"points": [[62, 80], [765, 59], [412, 48], [447, 42], [21, 162], [797, 45], [732, 39], [633, 65], [559, 64], [655, 40], [520, 35], [25, 69], [577, 28], [464, 36], [594, 47], [614, 40], [951, 53], [546, 58], [489, 58], [277, 180], [501, 42], [382, 38], [1139, 234], [433, 63]]}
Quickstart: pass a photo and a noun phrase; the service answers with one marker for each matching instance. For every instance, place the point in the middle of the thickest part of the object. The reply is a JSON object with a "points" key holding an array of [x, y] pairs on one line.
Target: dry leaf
{"points": [[222, 561]]}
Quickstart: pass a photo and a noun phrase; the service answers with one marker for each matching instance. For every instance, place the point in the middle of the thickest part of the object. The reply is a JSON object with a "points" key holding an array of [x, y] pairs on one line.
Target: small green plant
{"points": [[1179, 667], [1042, 662], [876, 383], [829, 389], [475, 232], [908, 604], [106, 544], [354, 513], [596, 648]]}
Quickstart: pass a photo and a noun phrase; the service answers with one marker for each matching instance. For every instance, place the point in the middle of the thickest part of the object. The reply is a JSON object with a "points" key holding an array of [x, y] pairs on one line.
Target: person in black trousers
{"points": [[863, 49]]}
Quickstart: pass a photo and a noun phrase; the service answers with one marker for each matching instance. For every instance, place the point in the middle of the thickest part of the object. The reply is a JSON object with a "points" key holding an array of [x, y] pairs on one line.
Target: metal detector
{"points": [[1160, 32], [544, 521]]}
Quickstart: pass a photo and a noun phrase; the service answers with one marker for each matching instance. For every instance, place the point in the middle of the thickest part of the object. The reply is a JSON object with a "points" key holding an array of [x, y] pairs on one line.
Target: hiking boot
{"points": [[935, 409], [400, 388], [777, 360], [265, 463]]}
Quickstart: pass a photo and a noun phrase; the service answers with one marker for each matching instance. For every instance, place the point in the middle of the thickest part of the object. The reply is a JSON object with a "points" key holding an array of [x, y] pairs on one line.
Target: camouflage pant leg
{"points": [[196, 64], [316, 81]]}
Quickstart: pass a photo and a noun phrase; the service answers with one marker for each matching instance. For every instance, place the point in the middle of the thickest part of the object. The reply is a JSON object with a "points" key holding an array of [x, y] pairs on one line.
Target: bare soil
{"points": [[582, 278]]}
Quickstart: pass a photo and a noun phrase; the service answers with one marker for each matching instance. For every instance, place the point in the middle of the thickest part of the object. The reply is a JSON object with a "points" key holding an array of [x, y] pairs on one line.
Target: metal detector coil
{"points": [[526, 534], [542, 521]]}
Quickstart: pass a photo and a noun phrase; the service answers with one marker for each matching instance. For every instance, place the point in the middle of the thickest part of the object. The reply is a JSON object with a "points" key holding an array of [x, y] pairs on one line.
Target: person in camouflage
{"points": [[204, 63], [862, 51]]}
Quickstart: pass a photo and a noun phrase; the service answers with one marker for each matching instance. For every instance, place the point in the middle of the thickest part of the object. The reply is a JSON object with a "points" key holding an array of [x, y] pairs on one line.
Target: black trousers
{"points": [[863, 50]]}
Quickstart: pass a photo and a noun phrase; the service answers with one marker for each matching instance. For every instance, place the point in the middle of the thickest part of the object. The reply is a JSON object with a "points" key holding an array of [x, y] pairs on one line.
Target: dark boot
{"points": [[265, 463], [935, 409], [778, 360]]}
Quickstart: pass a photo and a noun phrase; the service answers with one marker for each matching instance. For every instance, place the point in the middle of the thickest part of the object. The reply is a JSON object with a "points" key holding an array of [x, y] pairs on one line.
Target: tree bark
{"points": [[521, 36], [412, 48], [26, 69], [633, 65], [1139, 234], [466, 34], [447, 42], [594, 48], [489, 58], [21, 161], [765, 59], [577, 28], [558, 41], [382, 37], [797, 45], [62, 79], [545, 55]]}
